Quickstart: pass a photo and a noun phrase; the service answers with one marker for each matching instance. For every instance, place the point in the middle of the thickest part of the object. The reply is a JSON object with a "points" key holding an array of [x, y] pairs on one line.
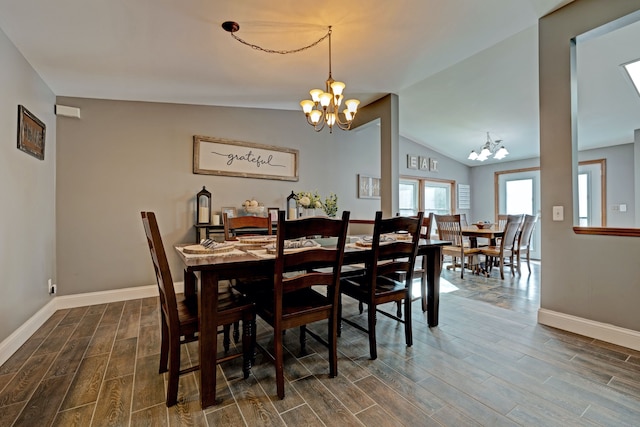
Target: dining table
{"points": [[474, 232], [210, 269]]}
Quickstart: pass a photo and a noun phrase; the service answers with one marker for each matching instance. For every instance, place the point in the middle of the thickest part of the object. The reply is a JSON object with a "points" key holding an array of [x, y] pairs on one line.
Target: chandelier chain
{"points": [[282, 52]]}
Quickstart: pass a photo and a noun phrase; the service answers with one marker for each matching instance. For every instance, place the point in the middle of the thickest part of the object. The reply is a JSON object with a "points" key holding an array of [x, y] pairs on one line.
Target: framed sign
{"points": [[31, 133], [218, 156], [368, 187]]}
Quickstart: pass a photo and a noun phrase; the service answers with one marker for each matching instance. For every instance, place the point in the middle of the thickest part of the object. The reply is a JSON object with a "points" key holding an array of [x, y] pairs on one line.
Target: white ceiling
{"points": [[461, 67]]}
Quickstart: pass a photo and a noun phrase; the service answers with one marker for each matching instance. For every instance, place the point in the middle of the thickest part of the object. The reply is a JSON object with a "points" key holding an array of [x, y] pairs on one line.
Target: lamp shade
{"points": [[337, 88], [352, 105], [315, 94], [307, 106], [315, 116]]}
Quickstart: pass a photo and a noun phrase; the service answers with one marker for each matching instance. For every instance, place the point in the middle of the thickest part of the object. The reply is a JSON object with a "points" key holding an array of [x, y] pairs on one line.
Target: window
{"points": [[427, 194], [408, 197], [437, 198]]}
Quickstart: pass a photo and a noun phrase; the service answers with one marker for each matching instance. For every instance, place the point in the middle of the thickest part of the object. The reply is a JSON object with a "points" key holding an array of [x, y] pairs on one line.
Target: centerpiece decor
{"points": [[309, 203], [330, 205]]}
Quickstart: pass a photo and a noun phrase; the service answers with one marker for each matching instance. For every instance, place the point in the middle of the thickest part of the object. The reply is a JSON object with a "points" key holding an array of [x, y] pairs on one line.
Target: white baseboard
{"points": [[589, 328], [13, 342]]}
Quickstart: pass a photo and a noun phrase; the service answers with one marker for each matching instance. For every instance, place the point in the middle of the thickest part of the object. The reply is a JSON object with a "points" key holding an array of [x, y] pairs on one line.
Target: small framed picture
{"points": [[273, 214], [31, 133], [368, 187], [231, 212]]}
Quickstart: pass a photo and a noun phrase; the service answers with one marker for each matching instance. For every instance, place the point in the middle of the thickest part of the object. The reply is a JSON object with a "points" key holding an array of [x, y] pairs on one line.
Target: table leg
{"points": [[189, 284], [208, 338], [434, 268]]}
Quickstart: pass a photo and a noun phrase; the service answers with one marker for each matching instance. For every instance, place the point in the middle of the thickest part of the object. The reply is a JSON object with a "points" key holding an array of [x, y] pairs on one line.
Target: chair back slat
{"points": [[502, 221], [166, 289], [232, 225]]}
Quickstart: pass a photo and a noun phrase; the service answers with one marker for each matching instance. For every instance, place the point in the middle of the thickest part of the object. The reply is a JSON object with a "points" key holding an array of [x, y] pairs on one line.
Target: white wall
{"points": [[27, 186]]}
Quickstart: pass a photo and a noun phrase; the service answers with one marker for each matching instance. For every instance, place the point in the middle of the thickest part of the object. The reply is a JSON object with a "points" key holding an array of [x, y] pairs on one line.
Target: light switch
{"points": [[623, 207], [558, 213]]}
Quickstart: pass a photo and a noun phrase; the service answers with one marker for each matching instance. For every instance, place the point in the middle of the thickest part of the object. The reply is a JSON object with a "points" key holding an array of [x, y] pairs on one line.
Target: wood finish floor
{"points": [[487, 363]]}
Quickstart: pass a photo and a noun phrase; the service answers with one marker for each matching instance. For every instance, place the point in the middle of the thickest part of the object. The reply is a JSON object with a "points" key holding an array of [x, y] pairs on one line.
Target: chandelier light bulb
{"points": [[325, 99], [473, 155], [307, 105], [352, 105], [315, 116], [337, 88], [315, 94], [501, 153]]}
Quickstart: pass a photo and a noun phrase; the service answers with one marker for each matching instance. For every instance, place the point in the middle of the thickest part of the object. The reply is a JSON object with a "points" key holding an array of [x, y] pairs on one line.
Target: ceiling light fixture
{"points": [[324, 106], [489, 148], [633, 71]]}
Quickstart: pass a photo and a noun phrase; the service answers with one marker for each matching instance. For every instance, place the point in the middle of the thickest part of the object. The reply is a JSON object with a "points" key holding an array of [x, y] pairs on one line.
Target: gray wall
{"points": [[27, 187], [620, 185], [124, 157], [448, 168], [593, 277]]}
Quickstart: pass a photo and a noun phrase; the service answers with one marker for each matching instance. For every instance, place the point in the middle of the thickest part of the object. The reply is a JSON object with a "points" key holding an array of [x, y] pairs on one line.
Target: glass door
{"points": [[519, 193]]}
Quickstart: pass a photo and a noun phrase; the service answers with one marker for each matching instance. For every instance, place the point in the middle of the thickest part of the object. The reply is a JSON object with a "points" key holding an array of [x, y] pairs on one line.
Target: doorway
{"points": [[519, 193]]}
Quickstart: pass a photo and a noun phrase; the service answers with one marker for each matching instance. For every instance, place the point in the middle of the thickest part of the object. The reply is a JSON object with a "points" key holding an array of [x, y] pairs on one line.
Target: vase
{"points": [[306, 212]]}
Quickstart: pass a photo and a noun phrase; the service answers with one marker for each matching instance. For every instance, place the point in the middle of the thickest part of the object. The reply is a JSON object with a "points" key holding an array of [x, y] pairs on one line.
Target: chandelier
{"points": [[324, 106], [490, 148]]}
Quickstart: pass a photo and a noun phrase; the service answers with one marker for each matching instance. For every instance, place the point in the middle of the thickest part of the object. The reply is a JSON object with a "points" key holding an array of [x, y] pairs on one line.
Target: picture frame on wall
{"points": [[227, 157], [230, 211], [273, 214], [368, 187], [31, 133]]}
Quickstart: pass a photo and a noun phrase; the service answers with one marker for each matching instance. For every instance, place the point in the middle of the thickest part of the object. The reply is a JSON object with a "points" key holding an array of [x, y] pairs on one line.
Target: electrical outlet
{"points": [[51, 287]]}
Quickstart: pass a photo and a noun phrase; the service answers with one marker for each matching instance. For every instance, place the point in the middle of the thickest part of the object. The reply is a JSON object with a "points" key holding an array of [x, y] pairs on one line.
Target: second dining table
{"points": [[211, 269], [473, 233]]}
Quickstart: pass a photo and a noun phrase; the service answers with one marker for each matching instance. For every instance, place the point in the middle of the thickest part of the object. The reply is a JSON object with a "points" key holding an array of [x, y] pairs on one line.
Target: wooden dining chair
{"points": [[245, 225], [388, 274], [506, 249], [306, 286], [524, 239], [450, 229], [249, 224], [179, 317]]}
